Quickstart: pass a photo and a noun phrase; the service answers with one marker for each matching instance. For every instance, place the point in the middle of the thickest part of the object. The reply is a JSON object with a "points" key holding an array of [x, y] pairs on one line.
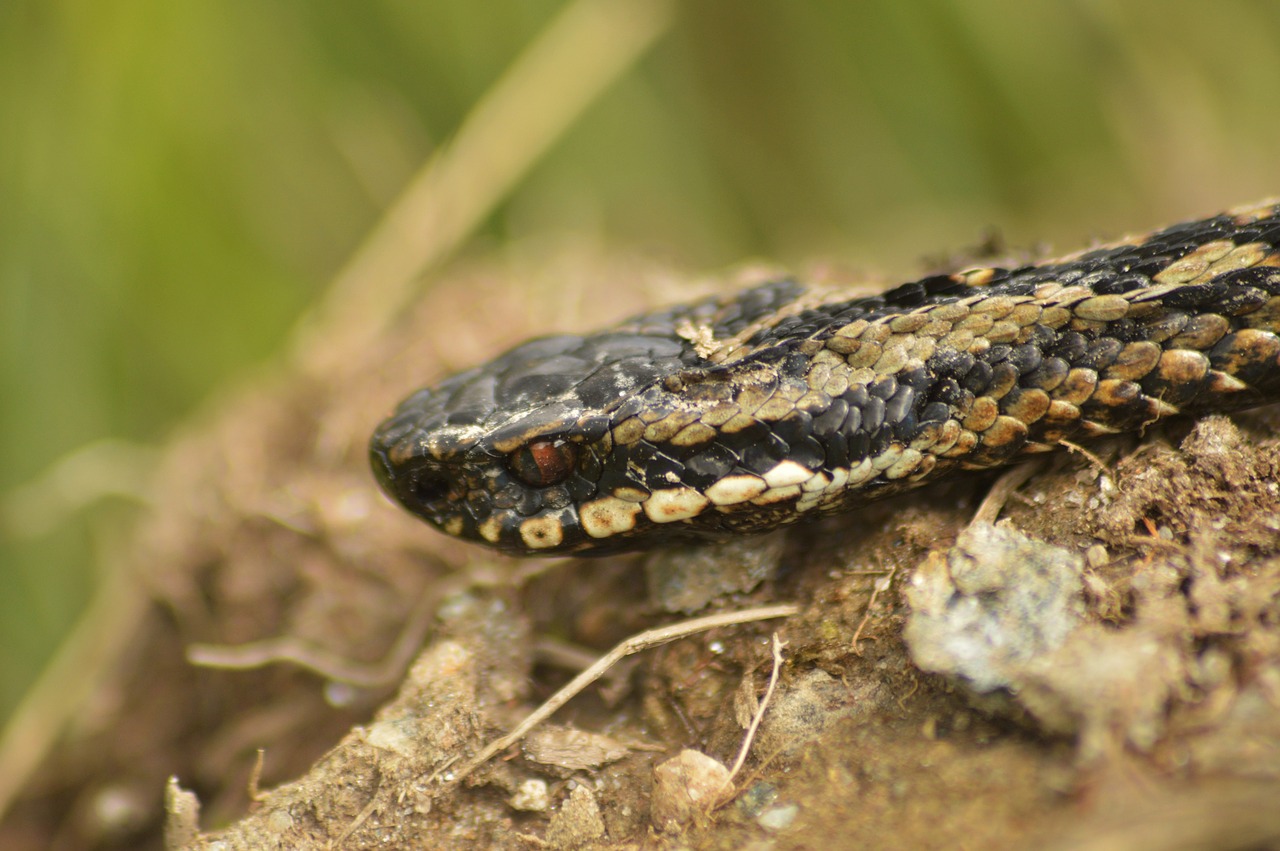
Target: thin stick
{"points": [[1004, 487], [881, 584], [361, 817], [83, 661], [643, 641], [255, 777], [759, 713], [1097, 462], [588, 46], [291, 649]]}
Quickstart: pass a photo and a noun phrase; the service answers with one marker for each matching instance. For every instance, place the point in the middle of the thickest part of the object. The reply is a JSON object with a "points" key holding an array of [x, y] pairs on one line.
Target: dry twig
{"points": [[759, 713], [634, 644]]}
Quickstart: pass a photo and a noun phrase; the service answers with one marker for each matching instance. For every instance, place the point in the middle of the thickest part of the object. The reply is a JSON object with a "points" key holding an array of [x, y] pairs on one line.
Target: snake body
{"points": [[788, 402]]}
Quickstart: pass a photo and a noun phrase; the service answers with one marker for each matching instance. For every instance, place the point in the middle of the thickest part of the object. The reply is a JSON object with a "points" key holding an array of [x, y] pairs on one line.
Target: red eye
{"points": [[544, 462]]}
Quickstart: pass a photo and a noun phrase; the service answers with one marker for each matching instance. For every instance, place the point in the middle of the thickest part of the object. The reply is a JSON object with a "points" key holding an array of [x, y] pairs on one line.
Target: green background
{"points": [[179, 181]]}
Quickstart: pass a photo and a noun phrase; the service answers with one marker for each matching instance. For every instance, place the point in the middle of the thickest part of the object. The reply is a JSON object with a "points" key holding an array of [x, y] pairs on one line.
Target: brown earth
{"points": [[1156, 724]]}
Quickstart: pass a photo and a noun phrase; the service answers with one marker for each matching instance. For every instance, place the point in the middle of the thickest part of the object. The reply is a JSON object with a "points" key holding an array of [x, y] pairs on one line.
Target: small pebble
{"points": [[531, 797], [778, 818]]}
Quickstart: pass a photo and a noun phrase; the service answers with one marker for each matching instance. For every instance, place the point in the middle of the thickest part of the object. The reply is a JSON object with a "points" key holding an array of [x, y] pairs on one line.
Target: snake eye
{"points": [[544, 462]]}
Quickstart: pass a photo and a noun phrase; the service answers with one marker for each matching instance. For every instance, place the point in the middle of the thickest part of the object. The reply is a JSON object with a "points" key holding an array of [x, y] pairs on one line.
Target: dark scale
{"points": [[1108, 285], [710, 465], [1100, 354], [978, 378], [671, 427], [1128, 331]]}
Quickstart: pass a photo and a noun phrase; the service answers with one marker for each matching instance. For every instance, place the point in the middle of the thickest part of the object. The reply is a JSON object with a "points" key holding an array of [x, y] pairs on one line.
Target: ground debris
{"points": [[1141, 651], [687, 787]]}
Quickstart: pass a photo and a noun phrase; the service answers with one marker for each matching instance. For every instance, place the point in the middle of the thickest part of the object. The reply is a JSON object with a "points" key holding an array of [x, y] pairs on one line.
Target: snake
{"points": [[786, 402]]}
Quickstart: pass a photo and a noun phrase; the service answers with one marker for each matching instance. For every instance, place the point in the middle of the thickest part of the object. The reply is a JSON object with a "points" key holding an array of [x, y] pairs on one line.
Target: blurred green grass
{"points": [[178, 182]]}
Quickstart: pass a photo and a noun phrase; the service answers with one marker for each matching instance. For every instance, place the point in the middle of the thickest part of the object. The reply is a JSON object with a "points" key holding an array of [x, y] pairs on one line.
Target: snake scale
{"points": [[786, 402]]}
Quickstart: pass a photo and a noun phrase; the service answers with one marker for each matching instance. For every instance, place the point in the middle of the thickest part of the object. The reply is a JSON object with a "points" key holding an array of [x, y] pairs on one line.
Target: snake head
{"points": [[506, 453]]}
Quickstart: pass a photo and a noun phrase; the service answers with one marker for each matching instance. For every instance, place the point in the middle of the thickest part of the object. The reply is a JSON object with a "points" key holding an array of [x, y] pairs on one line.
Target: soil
{"points": [[1150, 719]]}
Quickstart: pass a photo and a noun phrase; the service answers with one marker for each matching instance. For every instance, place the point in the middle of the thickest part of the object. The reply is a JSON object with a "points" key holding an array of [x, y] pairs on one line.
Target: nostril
{"points": [[428, 487]]}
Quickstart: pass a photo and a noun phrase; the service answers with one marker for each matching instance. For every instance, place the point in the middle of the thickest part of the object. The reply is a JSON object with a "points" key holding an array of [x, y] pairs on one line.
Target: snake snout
{"points": [[428, 487]]}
